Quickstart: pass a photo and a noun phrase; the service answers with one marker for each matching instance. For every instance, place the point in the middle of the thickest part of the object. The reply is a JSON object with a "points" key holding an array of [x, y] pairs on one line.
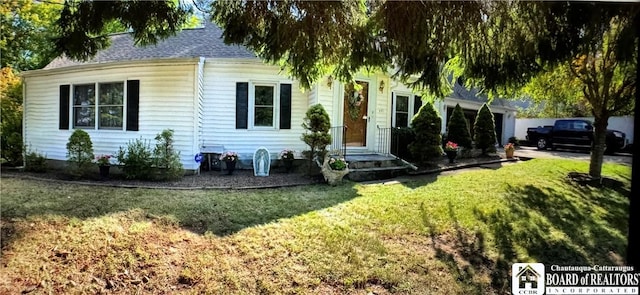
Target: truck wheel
{"points": [[542, 143]]}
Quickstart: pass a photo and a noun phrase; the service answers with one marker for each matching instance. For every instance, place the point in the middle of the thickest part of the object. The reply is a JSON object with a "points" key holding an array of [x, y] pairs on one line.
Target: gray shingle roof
{"points": [[201, 42], [461, 92]]}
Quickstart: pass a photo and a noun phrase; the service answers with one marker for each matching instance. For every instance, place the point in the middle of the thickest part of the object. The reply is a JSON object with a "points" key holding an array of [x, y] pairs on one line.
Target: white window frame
{"points": [[73, 107], [252, 104], [96, 106], [99, 104], [410, 108]]}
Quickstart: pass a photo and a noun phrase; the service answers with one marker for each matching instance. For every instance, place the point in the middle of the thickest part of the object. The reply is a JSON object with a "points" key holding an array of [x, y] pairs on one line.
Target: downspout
{"points": [[197, 97], [24, 121]]}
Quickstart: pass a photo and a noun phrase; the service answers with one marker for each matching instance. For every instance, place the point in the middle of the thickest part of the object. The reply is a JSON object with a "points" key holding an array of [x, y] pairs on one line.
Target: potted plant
{"points": [[451, 149], [230, 159], [287, 158], [334, 169], [104, 164], [509, 149]]}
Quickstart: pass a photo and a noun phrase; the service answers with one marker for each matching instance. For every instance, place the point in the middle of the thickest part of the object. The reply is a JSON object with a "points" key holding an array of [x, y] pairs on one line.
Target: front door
{"points": [[356, 101]]}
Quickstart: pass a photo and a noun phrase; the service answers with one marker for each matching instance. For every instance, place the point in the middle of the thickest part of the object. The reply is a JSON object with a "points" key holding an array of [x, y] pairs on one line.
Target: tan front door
{"points": [[355, 114]]}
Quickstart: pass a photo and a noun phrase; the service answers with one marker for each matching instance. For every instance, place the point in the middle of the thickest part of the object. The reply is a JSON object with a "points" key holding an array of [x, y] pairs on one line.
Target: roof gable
{"points": [[200, 42]]}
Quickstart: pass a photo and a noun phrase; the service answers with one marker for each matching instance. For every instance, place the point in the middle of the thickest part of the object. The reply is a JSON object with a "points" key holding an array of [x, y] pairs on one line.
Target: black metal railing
{"points": [[384, 140], [395, 141], [339, 139]]}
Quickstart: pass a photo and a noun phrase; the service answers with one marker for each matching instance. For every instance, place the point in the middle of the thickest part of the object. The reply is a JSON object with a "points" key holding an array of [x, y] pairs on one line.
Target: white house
{"points": [[215, 97]]}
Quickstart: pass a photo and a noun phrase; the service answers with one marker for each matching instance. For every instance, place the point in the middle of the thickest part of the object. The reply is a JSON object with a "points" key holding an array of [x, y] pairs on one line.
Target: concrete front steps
{"points": [[366, 167]]}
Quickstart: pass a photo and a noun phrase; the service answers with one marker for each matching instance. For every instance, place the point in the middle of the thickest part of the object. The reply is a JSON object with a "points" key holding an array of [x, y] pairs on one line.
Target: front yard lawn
{"points": [[447, 234]]}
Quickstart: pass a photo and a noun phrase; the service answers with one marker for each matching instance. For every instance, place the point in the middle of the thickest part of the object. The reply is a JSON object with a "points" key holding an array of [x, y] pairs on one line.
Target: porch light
{"points": [[329, 81], [381, 87]]}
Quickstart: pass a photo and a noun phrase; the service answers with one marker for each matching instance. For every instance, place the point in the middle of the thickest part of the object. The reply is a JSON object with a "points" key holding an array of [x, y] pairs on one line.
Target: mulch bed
{"points": [[240, 179]]}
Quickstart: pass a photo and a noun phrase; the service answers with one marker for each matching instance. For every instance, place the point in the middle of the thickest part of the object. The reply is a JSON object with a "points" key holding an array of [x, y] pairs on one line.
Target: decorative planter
{"points": [[332, 177], [231, 166], [452, 156], [288, 164], [509, 153], [104, 171]]}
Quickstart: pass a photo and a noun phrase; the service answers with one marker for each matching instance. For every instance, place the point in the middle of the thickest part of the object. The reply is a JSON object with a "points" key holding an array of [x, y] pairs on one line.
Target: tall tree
{"points": [[83, 24], [26, 31], [11, 146], [557, 93], [592, 42]]}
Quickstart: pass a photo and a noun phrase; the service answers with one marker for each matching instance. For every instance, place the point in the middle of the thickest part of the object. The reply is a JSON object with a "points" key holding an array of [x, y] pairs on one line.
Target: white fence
{"points": [[624, 124]]}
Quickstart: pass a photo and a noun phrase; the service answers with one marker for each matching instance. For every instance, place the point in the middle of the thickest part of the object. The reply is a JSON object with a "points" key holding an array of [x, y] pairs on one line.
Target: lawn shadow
{"points": [[417, 181], [220, 212], [561, 224], [464, 254], [559, 227]]}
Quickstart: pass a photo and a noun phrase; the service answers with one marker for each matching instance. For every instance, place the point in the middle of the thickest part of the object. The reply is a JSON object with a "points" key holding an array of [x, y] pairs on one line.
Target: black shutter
{"points": [[417, 103], [393, 99], [285, 106], [133, 104], [64, 107], [242, 104]]}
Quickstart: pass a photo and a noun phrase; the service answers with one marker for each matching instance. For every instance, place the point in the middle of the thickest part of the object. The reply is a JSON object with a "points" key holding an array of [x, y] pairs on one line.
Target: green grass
{"points": [[446, 234]]}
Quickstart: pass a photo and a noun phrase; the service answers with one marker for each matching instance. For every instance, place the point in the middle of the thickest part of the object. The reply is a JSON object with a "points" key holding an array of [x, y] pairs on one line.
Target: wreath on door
{"points": [[354, 103]]}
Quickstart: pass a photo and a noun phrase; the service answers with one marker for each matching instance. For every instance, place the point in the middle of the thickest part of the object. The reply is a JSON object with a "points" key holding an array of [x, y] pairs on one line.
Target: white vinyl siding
{"points": [[166, 102], [219, 124]]}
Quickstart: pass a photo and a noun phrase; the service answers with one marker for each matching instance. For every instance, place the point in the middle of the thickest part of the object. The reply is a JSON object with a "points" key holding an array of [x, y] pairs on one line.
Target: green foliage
{"points": [[27, 30], [458, 128], [83, 24], [317, 124], [484, 130], [314, 38], [337, 163], [80, 151], [426, 125], [403, 137], [558, 93], [35, 161], [514, 140], [137, 159], [166, 157], [11, 111]]}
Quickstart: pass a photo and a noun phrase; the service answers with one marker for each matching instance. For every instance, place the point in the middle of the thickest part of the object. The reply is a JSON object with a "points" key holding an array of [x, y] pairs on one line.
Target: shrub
{"points": [[166, 157], [514, 140], [11, 148], [317, 137], [401, 138], [35, 162], [136, 159], [286, 155], [80, 151], [485, 130], [426, 125], [458, 128]]}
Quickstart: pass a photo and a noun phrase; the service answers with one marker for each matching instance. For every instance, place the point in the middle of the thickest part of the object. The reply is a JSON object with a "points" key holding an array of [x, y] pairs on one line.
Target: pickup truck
{"points": [[572, 134]]}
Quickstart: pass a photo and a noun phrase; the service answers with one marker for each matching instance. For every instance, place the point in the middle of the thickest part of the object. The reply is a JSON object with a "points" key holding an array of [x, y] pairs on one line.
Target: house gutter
{"points": [[477, 103], [112, 65]]}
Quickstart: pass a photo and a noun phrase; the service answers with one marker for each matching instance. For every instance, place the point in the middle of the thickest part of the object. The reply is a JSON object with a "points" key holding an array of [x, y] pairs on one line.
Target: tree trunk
{"points": [[599, 145]]}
